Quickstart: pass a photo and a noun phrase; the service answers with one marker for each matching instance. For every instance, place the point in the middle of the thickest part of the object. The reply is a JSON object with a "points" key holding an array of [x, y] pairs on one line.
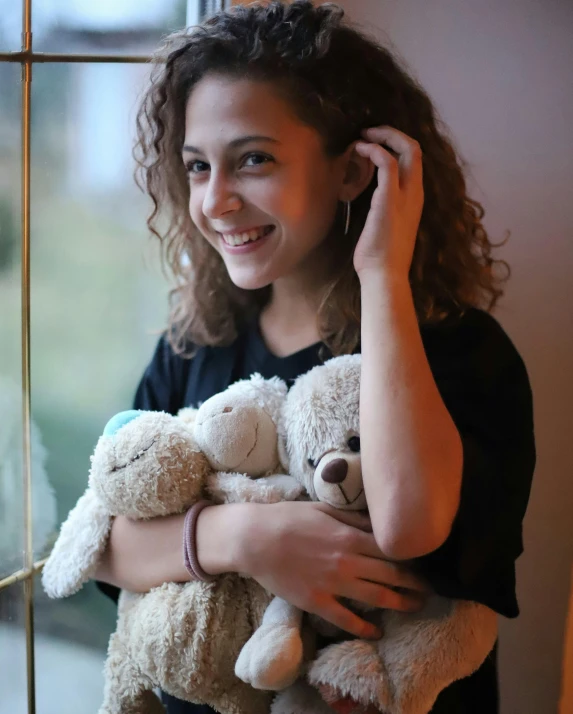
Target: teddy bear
{"points": [[181, 637], [419, 653]]}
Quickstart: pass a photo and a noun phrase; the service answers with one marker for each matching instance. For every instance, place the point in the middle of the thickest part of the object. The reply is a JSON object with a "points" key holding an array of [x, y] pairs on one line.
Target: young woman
{"points": [[310, 205]]}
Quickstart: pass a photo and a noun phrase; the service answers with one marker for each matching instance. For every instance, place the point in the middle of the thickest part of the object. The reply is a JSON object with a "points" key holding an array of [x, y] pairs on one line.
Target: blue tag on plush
{"points": [[119, 420]]}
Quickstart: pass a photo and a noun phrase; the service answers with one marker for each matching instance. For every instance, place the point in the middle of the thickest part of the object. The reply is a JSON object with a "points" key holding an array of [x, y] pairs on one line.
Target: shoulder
{"points": [[163, 383], [166, 363], [174, 380], [481, 376], [474, 329], [475, 342]]}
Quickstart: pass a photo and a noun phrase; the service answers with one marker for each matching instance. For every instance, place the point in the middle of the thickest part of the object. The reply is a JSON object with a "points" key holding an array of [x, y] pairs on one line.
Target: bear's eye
{"points": [[354, 443], [312, 463]]}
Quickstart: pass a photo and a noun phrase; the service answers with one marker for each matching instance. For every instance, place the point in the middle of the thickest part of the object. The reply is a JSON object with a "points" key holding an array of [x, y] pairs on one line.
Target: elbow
{"points": [[406, 529], [407, 545], [403, 537]]}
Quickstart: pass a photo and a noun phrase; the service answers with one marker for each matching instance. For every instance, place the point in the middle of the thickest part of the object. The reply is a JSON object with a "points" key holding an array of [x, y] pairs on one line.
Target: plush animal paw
{"points": [[272, 658], [351, 674], [237, 488], [281, 487]]}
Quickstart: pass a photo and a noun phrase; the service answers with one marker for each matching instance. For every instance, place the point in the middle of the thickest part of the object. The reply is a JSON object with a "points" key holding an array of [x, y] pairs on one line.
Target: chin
{"points": [[255, 277], [250, 282]]}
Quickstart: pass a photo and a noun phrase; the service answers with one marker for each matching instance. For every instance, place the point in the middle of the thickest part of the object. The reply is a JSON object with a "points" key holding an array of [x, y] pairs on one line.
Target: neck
{"points": [[289, 322]]}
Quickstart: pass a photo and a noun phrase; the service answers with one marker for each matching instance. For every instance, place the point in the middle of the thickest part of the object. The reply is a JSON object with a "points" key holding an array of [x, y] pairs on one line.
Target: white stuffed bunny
{"points": [[182, 638]]}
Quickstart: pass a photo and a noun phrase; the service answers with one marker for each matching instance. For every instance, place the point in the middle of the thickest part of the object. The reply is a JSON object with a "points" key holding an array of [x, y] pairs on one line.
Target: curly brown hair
{"points": [[339, 81]]}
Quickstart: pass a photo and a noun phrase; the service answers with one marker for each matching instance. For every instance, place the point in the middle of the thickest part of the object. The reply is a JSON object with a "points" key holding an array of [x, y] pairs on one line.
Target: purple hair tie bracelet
{"points": [[190, 543]]}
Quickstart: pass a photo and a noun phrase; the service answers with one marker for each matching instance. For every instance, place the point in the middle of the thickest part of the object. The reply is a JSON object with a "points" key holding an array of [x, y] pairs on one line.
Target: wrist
{"points": [[384, 287], [221, 538], [382, 277]]}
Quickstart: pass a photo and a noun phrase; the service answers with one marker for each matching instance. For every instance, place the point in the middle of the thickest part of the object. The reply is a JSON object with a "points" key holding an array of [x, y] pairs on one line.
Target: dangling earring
{"points": [[347, 219]]}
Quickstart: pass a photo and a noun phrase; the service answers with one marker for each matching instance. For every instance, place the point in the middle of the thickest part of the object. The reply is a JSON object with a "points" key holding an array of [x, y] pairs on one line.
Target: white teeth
{"points": [[242, 238]]}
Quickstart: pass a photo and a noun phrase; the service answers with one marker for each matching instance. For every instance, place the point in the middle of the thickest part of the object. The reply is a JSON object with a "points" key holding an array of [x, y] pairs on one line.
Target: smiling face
{"points": [[263, 191]]}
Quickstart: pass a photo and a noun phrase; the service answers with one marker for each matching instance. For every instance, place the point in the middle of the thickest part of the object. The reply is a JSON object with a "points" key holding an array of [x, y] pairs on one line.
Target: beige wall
{"points": [[500, 74]]}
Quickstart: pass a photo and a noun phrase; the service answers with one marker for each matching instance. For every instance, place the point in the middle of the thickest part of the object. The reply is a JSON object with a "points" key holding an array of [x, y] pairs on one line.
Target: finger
{"points": [[407, 150], [387, 164], [380, 596], [389, 574], [346, 620]]}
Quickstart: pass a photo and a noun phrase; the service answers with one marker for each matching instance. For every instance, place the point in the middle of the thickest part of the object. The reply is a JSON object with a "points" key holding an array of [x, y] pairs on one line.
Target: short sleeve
{"points": [[484, 384]]}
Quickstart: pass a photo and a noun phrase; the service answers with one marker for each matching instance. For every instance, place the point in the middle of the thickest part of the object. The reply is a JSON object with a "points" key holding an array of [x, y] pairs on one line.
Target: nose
{"points": [[220, 198], [335, 471]]}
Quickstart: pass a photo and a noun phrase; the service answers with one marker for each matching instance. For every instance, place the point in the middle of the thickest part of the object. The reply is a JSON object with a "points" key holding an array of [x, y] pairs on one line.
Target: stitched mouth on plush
{"points": [[138, 456]]}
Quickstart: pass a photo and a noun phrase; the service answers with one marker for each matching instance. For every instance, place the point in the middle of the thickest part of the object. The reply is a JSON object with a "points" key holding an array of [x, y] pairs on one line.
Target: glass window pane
{"points": [[70, 655], [10, 25], [11, 495], [106, 26], [98, 301], [13, 681]]}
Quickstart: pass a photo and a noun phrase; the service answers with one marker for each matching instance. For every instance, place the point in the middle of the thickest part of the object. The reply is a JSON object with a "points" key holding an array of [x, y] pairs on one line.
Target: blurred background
{"points": [[499, 75]]}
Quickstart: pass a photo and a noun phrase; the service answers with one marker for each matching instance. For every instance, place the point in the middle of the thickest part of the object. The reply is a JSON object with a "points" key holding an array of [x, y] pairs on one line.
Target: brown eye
{"points": [[312, 463], [354, 443]]}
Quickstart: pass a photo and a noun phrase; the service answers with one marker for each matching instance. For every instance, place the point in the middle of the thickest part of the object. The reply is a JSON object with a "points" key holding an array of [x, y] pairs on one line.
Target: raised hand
{"points": [[387, 241]]}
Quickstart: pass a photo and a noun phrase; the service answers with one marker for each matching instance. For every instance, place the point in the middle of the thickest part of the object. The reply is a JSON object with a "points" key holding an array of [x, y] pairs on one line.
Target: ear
{"points": [[358, 173], [82, 540]]}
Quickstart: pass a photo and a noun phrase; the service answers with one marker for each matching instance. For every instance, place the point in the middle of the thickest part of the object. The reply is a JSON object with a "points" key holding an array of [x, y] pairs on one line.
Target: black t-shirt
{"points": [[484, 385]]}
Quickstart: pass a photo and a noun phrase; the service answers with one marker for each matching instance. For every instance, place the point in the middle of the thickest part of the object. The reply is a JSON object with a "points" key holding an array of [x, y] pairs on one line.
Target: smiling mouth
{"points": [[235, 240], [348, 501]]}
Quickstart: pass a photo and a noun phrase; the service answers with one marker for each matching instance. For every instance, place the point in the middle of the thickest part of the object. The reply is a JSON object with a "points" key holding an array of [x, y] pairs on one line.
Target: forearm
{"points": [[411, 450], [145, 554]]}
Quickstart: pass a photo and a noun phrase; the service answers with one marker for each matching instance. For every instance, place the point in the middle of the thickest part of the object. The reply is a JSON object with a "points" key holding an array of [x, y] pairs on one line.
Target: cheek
{"points": [[305, 196], [317, 209], [198, 218], [308, 480], [195, 207], [299, 468]]}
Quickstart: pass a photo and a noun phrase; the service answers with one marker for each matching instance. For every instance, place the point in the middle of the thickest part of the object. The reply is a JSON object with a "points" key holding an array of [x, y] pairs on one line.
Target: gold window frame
{"points": [[26, 57]]}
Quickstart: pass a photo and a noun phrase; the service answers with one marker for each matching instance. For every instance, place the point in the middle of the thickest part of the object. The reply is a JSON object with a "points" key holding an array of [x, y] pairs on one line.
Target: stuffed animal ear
{"points": [[76, 553]]}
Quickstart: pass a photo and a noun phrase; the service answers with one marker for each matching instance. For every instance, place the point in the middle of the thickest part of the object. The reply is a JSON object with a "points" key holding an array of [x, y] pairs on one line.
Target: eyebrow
{"points": [[235, 143]]}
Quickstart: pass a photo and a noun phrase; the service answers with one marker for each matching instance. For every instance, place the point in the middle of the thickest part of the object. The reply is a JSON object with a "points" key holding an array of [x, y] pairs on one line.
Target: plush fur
{"points": [[419, 654], [182, 638], [187, 638], [76, 553]]}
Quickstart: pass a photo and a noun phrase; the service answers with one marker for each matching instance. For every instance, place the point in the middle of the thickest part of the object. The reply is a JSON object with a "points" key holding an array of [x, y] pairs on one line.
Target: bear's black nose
{"points": [[335, 471]]}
